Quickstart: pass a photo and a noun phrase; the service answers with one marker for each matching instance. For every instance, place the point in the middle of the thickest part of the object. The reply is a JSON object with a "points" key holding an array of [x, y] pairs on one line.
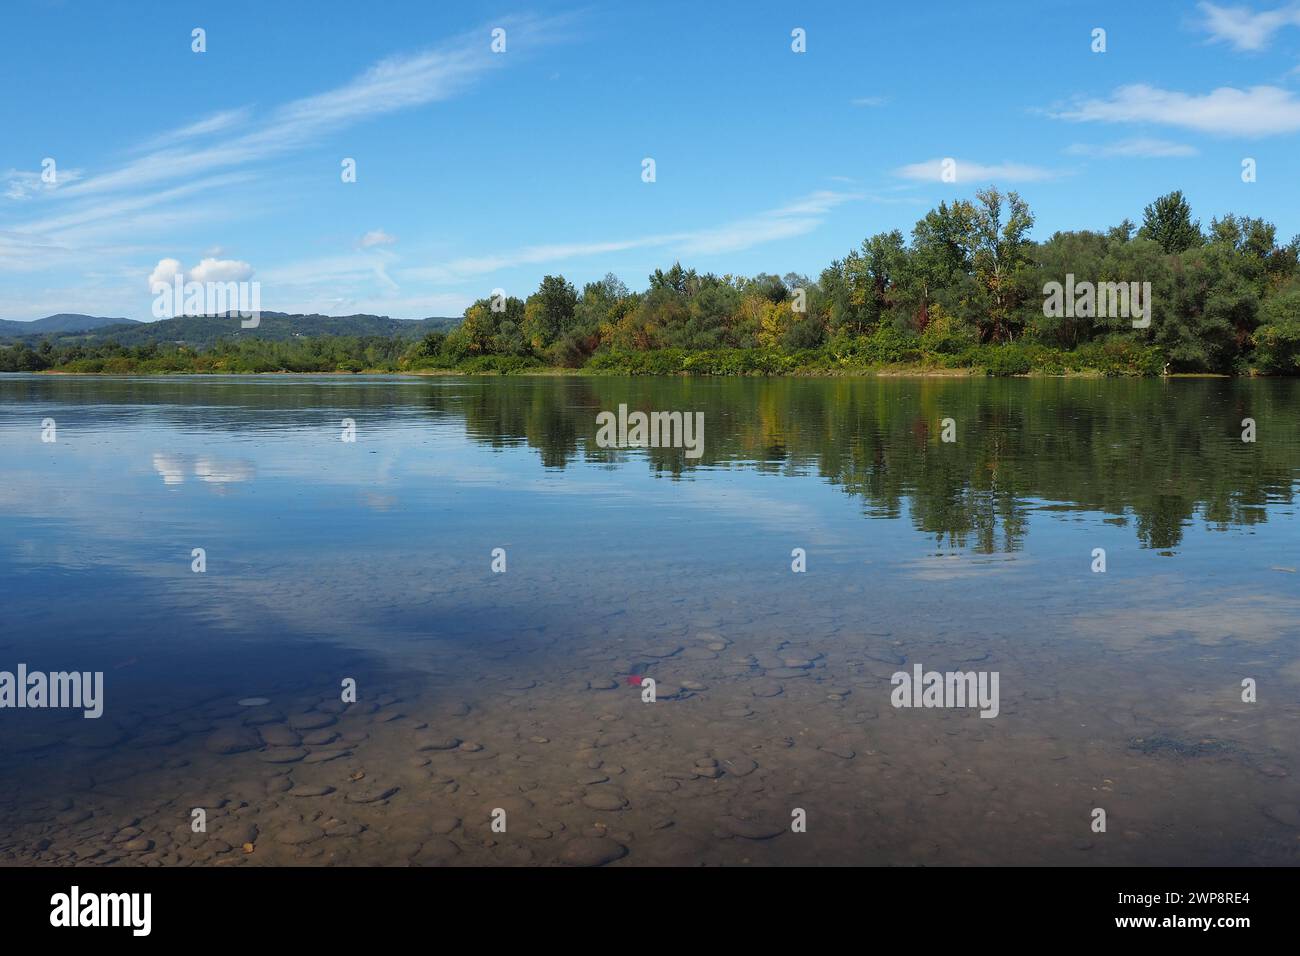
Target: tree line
{"points": [[964, 290]]}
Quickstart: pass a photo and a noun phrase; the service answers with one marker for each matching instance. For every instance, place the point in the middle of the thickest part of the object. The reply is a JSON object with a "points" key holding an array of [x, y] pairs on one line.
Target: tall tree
{"points": [[1168, 221], [1001, 259]]}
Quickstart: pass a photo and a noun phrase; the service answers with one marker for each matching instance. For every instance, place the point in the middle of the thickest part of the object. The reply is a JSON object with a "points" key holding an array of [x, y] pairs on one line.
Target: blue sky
{"points": [[478, 170]]}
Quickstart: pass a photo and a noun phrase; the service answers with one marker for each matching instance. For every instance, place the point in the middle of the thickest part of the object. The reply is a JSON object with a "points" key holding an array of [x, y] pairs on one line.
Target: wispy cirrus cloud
{"points": [[1226, 111], [24, 184], [1245, 29], [796, 218], [967, 171], [1142, 148], [225, 148]]}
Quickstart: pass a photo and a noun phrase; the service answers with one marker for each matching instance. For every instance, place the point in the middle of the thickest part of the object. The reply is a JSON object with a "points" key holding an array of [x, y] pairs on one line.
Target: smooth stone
{"points": [[310, 790], [312, 720], [435, 852], [345, 830], [253, 701], [739, 766], [766, 689], [443, 825], [604, 800], [296, 834], [278, 735], [324, 756], [592, 851], [282, 755], [232, 740], [318, 738], [370, 794], [438, 743]]}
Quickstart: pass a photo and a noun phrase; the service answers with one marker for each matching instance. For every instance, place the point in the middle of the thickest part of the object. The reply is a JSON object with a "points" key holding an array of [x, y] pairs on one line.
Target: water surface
{"points": [[371, 560]]}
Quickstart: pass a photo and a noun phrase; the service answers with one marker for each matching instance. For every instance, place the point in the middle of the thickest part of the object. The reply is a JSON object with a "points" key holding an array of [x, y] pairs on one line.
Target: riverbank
{"points": [[1118, 359]]}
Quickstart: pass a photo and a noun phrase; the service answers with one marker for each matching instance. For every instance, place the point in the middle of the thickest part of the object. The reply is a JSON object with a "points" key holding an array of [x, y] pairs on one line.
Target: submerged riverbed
{"points": [[481, 690]]}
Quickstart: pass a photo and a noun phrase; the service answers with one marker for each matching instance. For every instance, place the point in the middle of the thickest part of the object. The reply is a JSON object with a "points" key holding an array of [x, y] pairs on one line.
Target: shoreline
{"points": [[884, 371]]}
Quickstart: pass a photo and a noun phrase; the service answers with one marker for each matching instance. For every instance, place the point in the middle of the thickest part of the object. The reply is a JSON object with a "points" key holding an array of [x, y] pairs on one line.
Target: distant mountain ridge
{"points": [[203, 331], [63, 322]]}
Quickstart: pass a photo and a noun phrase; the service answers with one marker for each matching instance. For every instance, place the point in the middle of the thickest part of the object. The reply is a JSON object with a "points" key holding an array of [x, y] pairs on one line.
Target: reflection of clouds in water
{"points": [[1225, 620], [953, 567], [748, 504], [218, 471], [223, 472], [170, 467]]}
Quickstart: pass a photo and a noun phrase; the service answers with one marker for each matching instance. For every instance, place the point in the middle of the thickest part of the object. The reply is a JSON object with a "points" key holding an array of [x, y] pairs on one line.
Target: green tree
{"points": [[1168, 221]]}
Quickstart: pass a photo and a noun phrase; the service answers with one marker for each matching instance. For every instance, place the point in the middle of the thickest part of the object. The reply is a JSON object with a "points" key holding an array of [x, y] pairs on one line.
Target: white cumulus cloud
{"points": [[221, 270], [208, 270]]}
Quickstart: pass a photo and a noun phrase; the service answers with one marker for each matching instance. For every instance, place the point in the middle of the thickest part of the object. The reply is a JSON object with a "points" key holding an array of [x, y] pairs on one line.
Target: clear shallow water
{"points": [[371, 560]]}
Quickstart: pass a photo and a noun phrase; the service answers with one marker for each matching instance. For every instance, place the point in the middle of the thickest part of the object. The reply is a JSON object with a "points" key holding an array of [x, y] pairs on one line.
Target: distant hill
{"points": [[63, 322], [202, 331]]}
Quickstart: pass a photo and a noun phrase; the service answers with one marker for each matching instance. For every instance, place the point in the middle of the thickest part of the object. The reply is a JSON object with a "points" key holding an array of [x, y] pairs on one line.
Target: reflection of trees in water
{"points": [[1163, 452]]}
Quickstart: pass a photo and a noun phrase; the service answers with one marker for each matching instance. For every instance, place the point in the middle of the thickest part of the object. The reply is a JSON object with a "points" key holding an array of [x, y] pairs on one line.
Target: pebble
{"points": [[592, 851], [310, 790], [312, 720], [324, 756], [278, 735], [435, 852], [370, 794], [282, 755], [232, 740], [296, 834], [739, 766], [604, 800], [766, 689]]}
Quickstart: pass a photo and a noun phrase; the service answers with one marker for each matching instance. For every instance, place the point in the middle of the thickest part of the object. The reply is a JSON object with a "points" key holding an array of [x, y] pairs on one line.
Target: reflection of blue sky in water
{"points": [[345, 540], [377, 553]]}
